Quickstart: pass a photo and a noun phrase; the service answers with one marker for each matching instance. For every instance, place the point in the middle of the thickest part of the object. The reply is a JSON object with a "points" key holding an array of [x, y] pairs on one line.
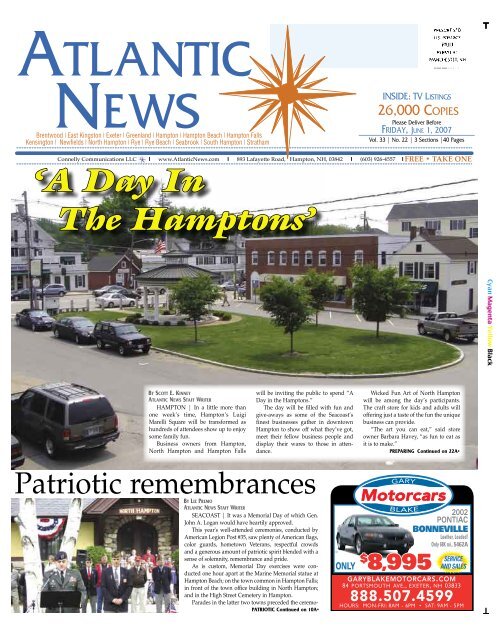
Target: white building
{"points": [[225, 258], [446, 267], [446, 218], [65, 268]]}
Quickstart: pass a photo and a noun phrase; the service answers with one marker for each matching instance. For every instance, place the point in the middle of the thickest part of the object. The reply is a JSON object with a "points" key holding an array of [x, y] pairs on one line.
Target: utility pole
{"points": [[235, 257], [28, 243]]}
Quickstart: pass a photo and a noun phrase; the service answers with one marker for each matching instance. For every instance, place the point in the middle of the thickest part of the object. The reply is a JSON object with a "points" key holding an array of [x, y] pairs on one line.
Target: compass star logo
{"points": [[288, 94]]}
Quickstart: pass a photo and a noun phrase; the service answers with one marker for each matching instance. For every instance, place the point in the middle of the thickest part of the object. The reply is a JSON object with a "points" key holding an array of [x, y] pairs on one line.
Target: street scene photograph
{"points": [[379, 297]]}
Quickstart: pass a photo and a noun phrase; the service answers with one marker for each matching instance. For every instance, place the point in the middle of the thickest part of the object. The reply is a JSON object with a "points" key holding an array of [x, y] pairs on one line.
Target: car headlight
{"points": [[129, 342], [373, 535], [148, 340], [408, 535]]}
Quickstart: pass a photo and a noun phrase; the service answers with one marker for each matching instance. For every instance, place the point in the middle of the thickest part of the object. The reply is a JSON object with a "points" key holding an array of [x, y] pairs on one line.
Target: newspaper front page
{"points": [[252, 332]]}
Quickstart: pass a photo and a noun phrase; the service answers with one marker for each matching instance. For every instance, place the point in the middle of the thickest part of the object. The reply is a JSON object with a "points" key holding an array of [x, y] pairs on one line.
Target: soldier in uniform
{"points": [[63, 579]]}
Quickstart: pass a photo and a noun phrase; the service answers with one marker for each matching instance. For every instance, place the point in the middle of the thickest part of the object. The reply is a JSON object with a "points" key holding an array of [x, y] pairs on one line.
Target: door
{"points": [[139, 535], [442, 300]]}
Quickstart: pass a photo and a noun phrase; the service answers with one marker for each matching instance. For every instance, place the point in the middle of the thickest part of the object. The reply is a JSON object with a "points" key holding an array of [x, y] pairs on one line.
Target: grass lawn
{"points": [[254, 342]]}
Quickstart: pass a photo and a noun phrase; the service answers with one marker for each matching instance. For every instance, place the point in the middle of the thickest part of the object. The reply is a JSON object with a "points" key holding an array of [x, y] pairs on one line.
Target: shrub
{"points": [[166, 312], [95, 552], [175, 559], [133, 317], [223, 315]]}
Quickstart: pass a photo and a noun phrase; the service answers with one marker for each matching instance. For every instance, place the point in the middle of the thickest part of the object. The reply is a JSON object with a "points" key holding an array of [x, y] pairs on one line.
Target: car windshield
{"points": [[82, 322], [370, 520], [125, 330], [88, 410], [39, 314]]}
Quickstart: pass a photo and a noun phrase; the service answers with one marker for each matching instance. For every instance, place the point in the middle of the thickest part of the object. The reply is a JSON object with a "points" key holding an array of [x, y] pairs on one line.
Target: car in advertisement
{"points": [[367, 533]]}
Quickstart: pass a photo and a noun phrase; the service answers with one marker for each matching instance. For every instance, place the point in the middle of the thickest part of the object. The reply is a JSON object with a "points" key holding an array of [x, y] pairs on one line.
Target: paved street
{"points": [[39, 358]]}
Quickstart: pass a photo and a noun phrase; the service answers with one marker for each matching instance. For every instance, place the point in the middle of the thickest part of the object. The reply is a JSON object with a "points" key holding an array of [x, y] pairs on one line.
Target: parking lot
{"points": [[38, 358]]}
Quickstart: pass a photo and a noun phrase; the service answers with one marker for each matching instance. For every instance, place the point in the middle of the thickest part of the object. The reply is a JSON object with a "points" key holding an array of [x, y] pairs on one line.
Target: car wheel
{"points": [[33, 327], [61, 294], [132, 303], [110, 305], [358, 544], [402, 551], [146, 350], [121, 350], [100, 344], [421, 330], [56, 333], [447, 336], [340, 545], [50, 447], [470, 339]]}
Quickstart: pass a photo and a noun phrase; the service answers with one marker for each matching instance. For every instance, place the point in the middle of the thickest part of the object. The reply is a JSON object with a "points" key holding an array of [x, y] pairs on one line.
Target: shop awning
{"points": [[427, 287]]}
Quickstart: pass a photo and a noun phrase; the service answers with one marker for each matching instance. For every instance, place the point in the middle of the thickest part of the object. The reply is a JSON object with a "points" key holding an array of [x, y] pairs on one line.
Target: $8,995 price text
{"points": [[395, 561]]}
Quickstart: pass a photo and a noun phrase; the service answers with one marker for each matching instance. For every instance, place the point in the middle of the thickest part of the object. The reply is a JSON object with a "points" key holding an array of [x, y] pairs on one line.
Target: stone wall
{"points": [[162, 524]]}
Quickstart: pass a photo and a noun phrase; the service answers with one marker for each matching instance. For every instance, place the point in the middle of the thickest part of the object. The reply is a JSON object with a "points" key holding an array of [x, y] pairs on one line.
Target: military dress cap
{"points": [[60, 556]]}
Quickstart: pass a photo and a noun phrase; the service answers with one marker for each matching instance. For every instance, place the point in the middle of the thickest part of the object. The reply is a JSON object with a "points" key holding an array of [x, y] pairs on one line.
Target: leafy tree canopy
{"points": [[288, 303], [321, 288], [193, 296], [378, 293]]}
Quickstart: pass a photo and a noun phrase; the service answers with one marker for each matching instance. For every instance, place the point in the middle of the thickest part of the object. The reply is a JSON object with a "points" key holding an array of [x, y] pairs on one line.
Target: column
{"points": [[145, 300], [156, 304]]}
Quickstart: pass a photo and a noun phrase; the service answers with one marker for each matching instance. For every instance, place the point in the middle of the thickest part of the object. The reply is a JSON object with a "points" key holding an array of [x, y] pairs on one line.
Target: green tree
{"points": [[378, 293], [288, 303], [95, 552], [321, 288], [193, 297]]}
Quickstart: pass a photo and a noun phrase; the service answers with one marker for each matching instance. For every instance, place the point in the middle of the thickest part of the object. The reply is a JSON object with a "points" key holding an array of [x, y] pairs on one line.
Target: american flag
{"points": [[160, 246]]}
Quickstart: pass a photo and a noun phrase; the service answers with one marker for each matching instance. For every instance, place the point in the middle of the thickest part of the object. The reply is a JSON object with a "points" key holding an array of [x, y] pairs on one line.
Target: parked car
{"points": [[114, 299], [370, 533], [124, 337], [21, 294], [34, 319], [447, 325], [16, 453], [76, 328], [54, 289], [227, 286], [150, 290], [63, 417], [107, 289]]}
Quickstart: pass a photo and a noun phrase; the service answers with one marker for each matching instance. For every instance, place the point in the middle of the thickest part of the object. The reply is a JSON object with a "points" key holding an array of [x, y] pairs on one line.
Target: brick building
{"points": [[292, 256], [113, 269]]}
